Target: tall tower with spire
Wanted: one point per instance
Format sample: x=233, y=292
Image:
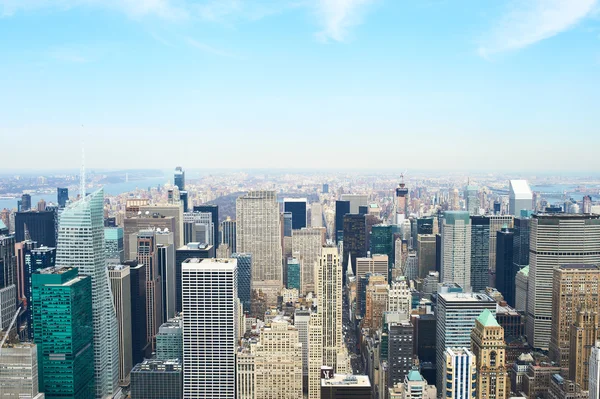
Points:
x=81, y=244
x=401, y=201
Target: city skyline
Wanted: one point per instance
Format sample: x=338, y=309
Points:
x=307, y=75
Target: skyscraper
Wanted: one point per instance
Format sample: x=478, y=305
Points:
x=244, y=276
x=297, y=207
x=401, y=201
x=214, y=211
x=575, y=288
x=585, y=332
x=228, y=230
x=426, y=254
x=62, y=196
x=25, y=203
x=81, y=244
x=556, y=239
x=139, y=344
x=488, y=346
x=199, y=227
x=382, y=243
x=63, y=332
x=341, y=208
x=169, y=340
x=456, y=249
x=480, y=252
x=460, y=374
x=329, y=296
x=306, y=247
x=8, y=261
x=316, y=215
x=19, y=377
x=519, y=197
x=356, y=201
x=293, y=274
x=179, y=178
x=113, y=245
x=497, y=223
x=355, y=240
x=259, y=233
x=157, y=379
x=506, y=269
x=40, y=225
x=209, y=328
x=456, y=314
x=472, y=197
x=191, y=250
x=120, y=284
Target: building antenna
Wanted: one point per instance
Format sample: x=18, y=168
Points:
x=82, y=173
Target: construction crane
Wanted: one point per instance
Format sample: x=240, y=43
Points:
x=9, y=328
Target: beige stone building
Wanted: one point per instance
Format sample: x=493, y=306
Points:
x=489, y=348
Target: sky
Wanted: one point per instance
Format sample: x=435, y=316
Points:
x=422, y=84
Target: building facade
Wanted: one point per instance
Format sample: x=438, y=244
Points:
x=456, y=249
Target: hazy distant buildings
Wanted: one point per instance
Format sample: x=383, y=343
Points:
x=520, y=197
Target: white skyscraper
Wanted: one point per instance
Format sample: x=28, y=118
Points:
x=209, y=328
x=81, y=244
x=460, y=374
x=556, y=239
x=456, y=249
x=329, y=299
x=520, y=197
x=259, y=233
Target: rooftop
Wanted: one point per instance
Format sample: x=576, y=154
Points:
x=414, y=375
x=520, y=189
x=578, y=266
x=342, y=379
x=487, y=319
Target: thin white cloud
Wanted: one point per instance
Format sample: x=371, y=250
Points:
x=68, y=55
x=210, y=49
x=528, y=22
x=338, y=16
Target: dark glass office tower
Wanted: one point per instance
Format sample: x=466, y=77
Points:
x=521, y=242
x=183, y=197
x=355, y=240
x=191, y=250
x=400, y=352
x=298, y=209
x=157, y=379
x=179, y=178
x=8, y=261
x=480, y=252
x=140, y=348
x=62, y=196
x=341, y=208
x=35, y=259
x=424, y=226
x=287, y=224
x=41, y=227
x=244, y=276
x=382, y=243
x=506, y=270
x=214, y=211
x=25, y=202
x=228, y=231
x=325, y=188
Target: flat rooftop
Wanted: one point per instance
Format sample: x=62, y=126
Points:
x=347, y=380
x=465, y=297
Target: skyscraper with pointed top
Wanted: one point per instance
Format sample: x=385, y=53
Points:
x=81, y=244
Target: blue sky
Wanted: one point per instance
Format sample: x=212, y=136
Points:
x=439, y=84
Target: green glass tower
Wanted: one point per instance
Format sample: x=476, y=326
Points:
x=63, y=332
x=382, y=243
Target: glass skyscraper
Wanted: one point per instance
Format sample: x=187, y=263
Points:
x=81, y=244
x=244, y=265
x=62, y=323
x=480, y=252
x=293, y=273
